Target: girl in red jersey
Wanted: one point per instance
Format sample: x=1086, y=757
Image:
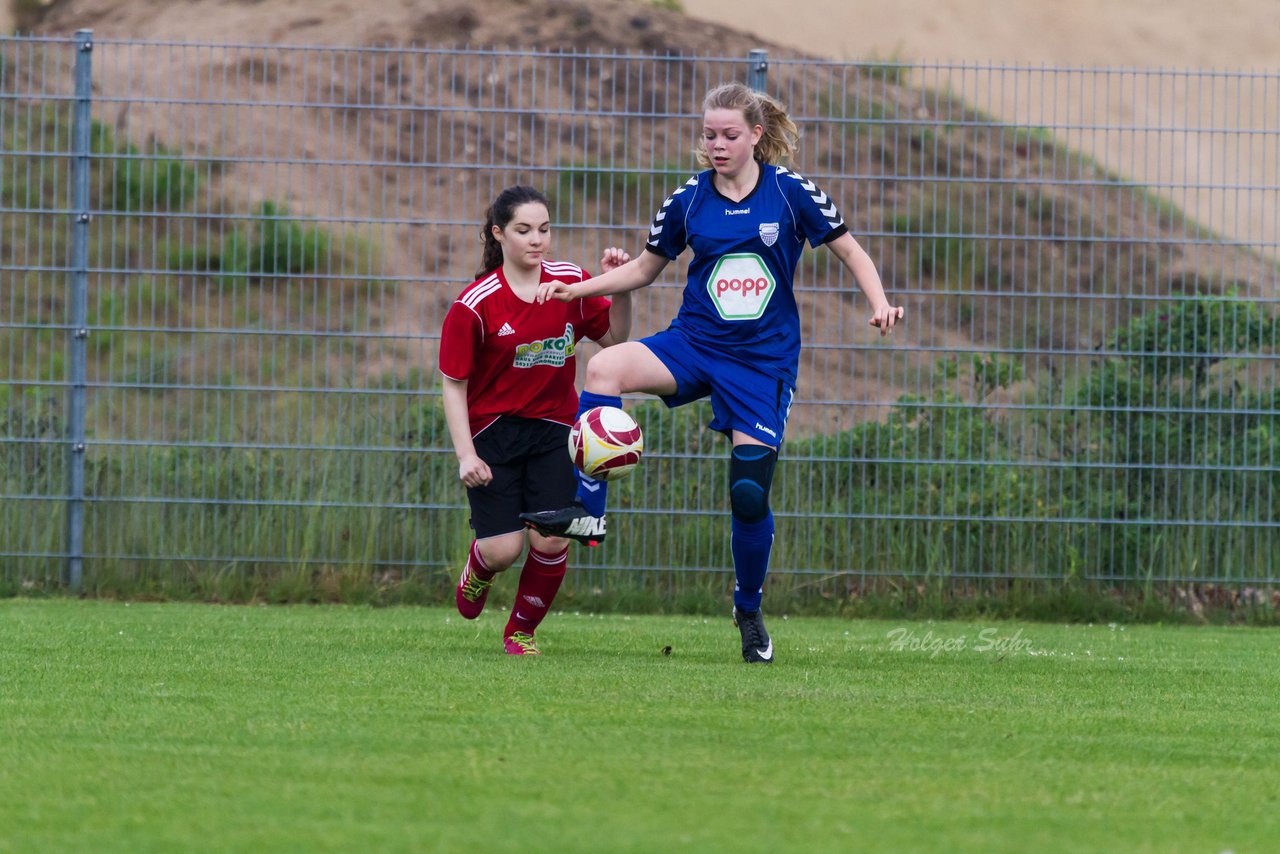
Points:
x=509, y=399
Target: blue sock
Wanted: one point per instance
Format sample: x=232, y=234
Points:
x=751, y=545
x=592, y=493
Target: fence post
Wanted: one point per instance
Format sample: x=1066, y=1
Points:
x=79, y=327
x=757, y=69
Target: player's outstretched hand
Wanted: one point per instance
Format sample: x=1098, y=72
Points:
x=612, y=259
x=886, y=317
x=554, y=289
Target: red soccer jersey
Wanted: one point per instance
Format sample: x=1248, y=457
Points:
x=517, y=357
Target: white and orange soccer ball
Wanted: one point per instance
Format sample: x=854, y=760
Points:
x=605, y=443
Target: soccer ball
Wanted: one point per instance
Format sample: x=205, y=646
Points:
x=605, y=443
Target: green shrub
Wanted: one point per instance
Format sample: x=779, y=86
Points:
x=274, y=244
x=1186, y=443
x=156, y=180
x=991, y=372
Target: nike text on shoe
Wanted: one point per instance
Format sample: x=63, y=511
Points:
x=757, y=647
x=520, y=643
x=573, y=522
x=471, y=593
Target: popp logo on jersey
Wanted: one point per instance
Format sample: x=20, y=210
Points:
x=741, y=286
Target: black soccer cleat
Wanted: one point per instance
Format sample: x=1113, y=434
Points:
x=757, y=647
x=573, y=522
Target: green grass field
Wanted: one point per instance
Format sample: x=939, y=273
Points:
x=149, y=727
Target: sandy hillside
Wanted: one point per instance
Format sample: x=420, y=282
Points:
x=1174, y=35
x=1132, y=34
x=1075, y=34
x=1226, y=34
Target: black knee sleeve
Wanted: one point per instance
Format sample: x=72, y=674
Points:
x=750, y=479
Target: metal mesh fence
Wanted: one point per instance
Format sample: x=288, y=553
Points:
x=223, y=270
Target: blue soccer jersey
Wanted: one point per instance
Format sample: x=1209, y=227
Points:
x=739, y=295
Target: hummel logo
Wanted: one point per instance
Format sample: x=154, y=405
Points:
x=506, y=330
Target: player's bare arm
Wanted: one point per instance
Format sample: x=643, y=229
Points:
x=620, y=310
x=636, y=273
x=472, y=470
x=859, y=264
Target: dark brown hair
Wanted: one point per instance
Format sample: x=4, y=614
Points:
x=500, y=214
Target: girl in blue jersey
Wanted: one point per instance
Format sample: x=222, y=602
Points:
x=736, y=337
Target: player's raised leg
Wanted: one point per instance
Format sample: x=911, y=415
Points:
x=487, y=557
x=473, y=585
x=622, y=368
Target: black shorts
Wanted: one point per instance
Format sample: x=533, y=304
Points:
x=531, y=469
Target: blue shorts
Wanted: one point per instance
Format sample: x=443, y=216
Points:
x=742, y=398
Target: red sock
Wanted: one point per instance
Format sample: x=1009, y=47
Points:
x=479, y=568
x=539, y=582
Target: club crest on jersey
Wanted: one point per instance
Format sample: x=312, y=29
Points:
x=741, y=286
x=769, y=233
x=548, y=351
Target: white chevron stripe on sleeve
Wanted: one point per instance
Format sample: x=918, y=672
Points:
x=483, y=289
